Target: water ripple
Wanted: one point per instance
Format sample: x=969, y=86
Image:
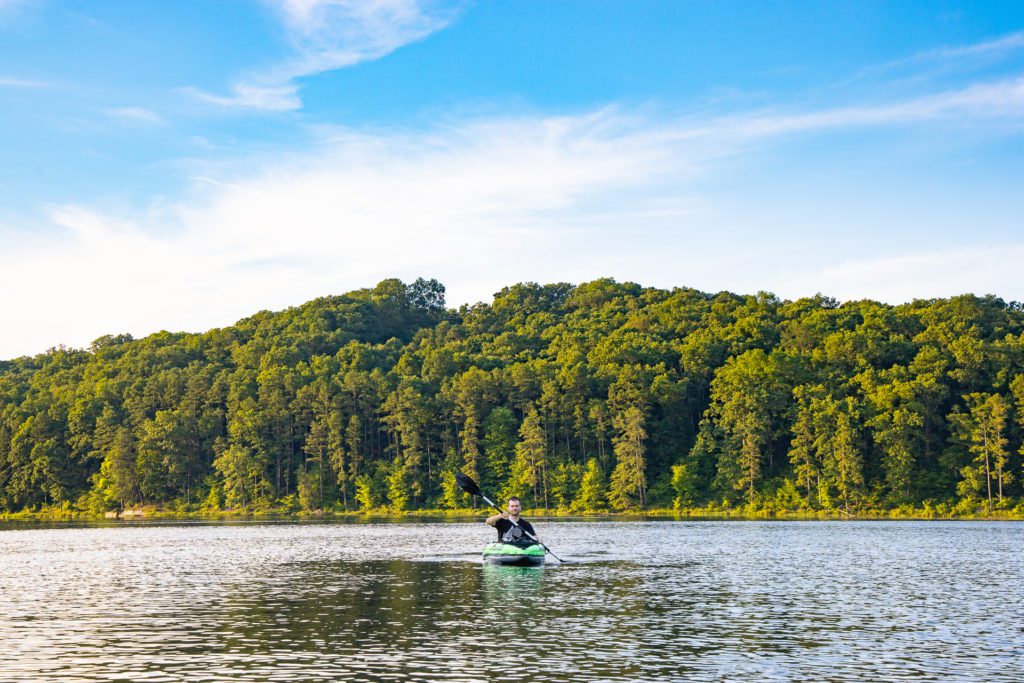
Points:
x=699, y=601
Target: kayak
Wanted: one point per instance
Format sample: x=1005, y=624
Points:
x=508, y=554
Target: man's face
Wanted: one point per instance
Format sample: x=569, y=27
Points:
x=514, y=507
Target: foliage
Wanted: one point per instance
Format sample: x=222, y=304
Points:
x=573, y=397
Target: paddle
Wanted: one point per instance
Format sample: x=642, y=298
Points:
x=470, y=487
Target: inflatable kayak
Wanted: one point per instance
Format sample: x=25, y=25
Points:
x=507, y=554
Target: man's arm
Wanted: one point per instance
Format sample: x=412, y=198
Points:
x=493, y=519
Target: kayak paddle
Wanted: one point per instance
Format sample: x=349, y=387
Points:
x=470, y=487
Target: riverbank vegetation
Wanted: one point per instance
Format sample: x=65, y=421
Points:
x=603, y=396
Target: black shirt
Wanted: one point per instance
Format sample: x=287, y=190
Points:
x=509, y=533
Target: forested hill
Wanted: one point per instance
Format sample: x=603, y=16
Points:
x=586, y=397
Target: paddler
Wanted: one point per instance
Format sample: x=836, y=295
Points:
x=506, y=524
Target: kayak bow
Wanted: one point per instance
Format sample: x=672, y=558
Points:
x=513, y=555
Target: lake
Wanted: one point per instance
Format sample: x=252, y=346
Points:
x=642, y=601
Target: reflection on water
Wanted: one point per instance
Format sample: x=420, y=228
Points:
x=509, y=586
x=701, y=601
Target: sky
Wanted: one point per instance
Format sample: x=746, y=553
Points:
x=181, y=165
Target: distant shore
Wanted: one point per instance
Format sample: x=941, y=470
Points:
x=711, y=513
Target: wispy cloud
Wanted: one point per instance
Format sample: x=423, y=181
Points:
x=324, y=35
x=1011, y=42
x=246, y=96
x=9, y=82
x=989, y=269
x=136, y=115
x=942, y=62
x=476, y=206
x=983, y=102
x=995, y=47
x=477, y=203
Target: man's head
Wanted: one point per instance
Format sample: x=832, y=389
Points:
x=514, y=506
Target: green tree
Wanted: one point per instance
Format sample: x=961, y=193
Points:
x=629, y=480
x=982, y=430
x=897, y=434
x=685, y=486
x=405, y=412
x=593, y=493
x=843, y=461
x=398, y=484
x=803, y=455
x=565, y=484
x=748, y=395
x=530, y=464
x=118, y=479
x=499, y=447
x=242, y=471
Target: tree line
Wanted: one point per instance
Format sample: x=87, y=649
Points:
x=603, y=395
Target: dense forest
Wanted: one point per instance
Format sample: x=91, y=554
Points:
x=598, y=396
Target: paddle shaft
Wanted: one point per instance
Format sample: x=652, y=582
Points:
x=531, y=536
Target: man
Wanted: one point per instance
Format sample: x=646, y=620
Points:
x=509, y=532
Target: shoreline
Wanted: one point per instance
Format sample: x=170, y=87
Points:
x=151, y=513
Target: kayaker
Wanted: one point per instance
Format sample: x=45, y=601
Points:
x=509, y=532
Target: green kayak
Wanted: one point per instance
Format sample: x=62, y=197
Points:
x=507, y=554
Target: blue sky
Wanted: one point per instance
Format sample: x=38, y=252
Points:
x=181, y=165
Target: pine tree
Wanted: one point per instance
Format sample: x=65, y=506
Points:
x=529, y=467
x=844, y=463
x=629, y=481
x=896, y=434
x=593, y=493
x=802, y=454
x=982, y=429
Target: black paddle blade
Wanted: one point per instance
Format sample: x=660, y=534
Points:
x=467, y=484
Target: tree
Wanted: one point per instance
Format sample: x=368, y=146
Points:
x=843, y=461
x=405, y=412
x=824, y=449
x=685, y=485
x=804, y=457
x=499, y=446
x=322, y=445
x=748, y=394
x=982, y=430
x=376, y=397
x=118, y=477
x=593, y=493
x=471, y=448
x=242, y=470
x=897, y=434
x=398, y=484
x=338, y=457
x=629, y=481
x=530, y=465
x=565, y=483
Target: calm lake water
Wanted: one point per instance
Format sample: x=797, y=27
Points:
x=643, y=601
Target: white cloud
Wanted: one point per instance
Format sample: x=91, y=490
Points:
x=1011, y=42
x=478, y=204
x=981, y=102
x=994, y=269
x=325, y=35
x=469, y=207
x=995, y=47
x=267, y=98
x=10, y=82
x=136, y=115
